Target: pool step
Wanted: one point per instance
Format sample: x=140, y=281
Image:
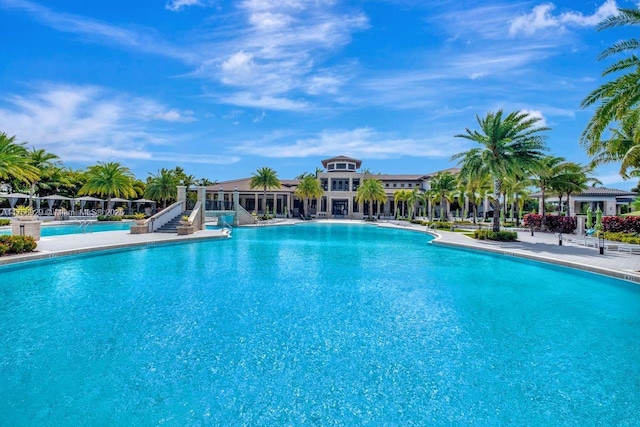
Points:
x=172, y=226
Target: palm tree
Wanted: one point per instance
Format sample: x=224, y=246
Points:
x=109, y=180
x=478, y=189
x=576, y=180
x=549, y=173
x=516, y=188
x=44, y=162
x=14, y=160
x=371, y=190
x=442, y=187
x=162, y=186
x=411, y=198
x=399, y=198
x=623, y=145
x=619, y=97
x=267, y=179
x=307, y=189
x=510, y=146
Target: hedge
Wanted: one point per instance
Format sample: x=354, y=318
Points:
x=554, y=223
x=4, y=222
x=16, y=244
x=503, y=236
x=109, y=218
x=619, y=224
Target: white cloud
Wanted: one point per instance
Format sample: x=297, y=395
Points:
x=541, y=17
x=84, y=123
x=360, y=142
x=176, y=5
x=247, y=99
x=91, y=29
x=536, y=114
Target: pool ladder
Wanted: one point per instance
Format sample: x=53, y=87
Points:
x=85, y=226
x=226, y=228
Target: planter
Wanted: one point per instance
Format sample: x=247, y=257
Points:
x=141, y=222
x=26, y=217
x=185, y=223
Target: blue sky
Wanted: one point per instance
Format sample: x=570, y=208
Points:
x=221, y=88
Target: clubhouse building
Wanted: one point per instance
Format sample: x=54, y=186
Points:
x=339, y=180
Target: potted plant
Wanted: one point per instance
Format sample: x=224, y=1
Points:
x=140, y=218
x=24, y=213
x=185, y=220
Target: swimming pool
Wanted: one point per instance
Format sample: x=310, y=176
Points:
x=76, y=228
x=317, y=324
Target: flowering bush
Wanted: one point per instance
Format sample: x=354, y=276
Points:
x=618, y=224
x=554, y=223
x=16, y=244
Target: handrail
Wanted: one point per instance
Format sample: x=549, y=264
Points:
x=164, y=216
x=195, y=214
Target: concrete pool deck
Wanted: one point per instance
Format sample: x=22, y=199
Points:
x=540, y=247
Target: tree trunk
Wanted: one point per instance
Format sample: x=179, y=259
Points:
x=497, y=189
x=475, y=213
x=568, y=204
x=559, y=204
x=517, y=211
x=542, y=211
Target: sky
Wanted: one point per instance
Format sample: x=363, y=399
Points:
x=221, y=88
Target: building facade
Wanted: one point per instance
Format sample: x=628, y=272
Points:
x=339, y=180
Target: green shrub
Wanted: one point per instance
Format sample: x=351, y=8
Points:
x=16, y=244
x=109, y=218
x=631, y=238
x=4, y=222
x=502, y=236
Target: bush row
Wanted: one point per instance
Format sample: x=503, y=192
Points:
x=109, y=218
x=4, y=222
x=632, y=238
x=502, y=236
x=618, y=224
x=554, y=223
x=16, y=244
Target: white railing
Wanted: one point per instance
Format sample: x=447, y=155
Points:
x=164, y=216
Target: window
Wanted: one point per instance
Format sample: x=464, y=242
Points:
x=341, y=166
x=352, y=167
x=331, y=166
x=402, y=185
x=387, y=184
x=395, y=185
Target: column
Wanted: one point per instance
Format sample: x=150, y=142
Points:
x=182, y=196
x=220, y=199
x=236, y=205
x=255, y=206
x=202, y=198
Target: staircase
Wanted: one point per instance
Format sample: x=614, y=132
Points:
x=172, y=226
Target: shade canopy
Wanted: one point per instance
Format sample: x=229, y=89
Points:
x=88, y=199
x=55, y=197
x=144, y=201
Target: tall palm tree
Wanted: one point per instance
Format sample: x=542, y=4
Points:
x=109, y=180
x=576, y=180
x=510, y=145
x=443, y=186
x=517, y=189
x=619, y=97
x=549, y=173
x=413, y=196
x=14, y=160
x=162, y=186
x=623, y=145
x=478, y=189
x=371, y=190
x=267, y=179
x=44, y=162
x=308, y=188
x=399, y=198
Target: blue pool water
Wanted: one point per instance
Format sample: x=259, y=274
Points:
x=75, y=228
x=318, y=325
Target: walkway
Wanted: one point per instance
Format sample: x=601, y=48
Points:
x=544, y=247
x=73, y=244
